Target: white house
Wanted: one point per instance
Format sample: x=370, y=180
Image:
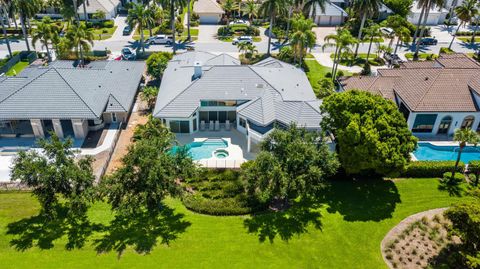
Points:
x=436, y=15
x=436, y=97
x=333, y=14
x=209, y=11
x=109, y=7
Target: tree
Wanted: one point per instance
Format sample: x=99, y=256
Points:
x=342, y=41
x=372, y=32
x=55, y=175
x=99, y=15
x=465, y=13
x=251, y=10
x=3, y=17
x=150, y=18
x=292, y=162
x=371, y=134
x=137, y=15
x=397, y=23
x=45, y=32
x=271, y=8
x=403, y=35
x=27, y=9
x=157, y=63
x=80, y=38
x=310, y=7
x=426, y=6
x=174, y=4
x=327, y=88
x=302, y=37
x=365, y=8
x=477, y=22
x=242, y=47
x=464, y=137
x=229, y=6
x=149, y=95
x=399, y=7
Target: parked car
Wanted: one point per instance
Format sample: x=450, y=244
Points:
x=238, y=22
x=160, y=39
x=392, y=58
x=387, y=31
x=127, y=30
x=128, y=55
x=243, y=39
x=428, y=41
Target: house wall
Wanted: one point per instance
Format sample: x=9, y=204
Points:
x=209, y=18
x=457, y=119
x=323, y=20
x=433, y=18
x=121, y=117
x=80, y=128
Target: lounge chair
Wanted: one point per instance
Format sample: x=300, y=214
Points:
x=217, y=125
x=210, y=125
x=227, y=125
x=202, y=125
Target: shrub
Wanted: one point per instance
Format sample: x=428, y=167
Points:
x=286, y=54
x=445, y=50
x=340, y=73
x=108, y=24
x=224, y=206
x=157, y=63
x=224, y=31
x=474, y=168
x=431, y=168
x=366, y=71
x=254, y=31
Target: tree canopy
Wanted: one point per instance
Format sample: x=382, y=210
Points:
x=291, y=163
x=371, y=134
x=157, y=63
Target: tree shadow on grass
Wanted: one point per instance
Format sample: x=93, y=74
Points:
x=285, y=224
x=453, y=189
x=361, y=199
x=41, y=231
x=141, y=230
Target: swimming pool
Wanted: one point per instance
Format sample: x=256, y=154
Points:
x=204, y=149
x=429, y=152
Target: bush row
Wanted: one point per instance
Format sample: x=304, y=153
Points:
x=100, y=24
x=431, y=168
x=244, y=30
x=219, y=207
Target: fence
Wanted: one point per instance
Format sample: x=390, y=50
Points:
x=27, y=56
x=111, y=150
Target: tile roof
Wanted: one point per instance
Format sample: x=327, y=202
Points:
x=444, y=87
x=104, y=5
x=273, y=90
x=61, y=91
x=207, y=6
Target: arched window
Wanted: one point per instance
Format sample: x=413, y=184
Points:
x=445, y=125
x=468, y=122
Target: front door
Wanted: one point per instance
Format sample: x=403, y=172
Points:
x=114, y=117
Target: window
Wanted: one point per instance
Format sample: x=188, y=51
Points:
x=445, y=125
x=243, y=123
x=404, y=110
x=467, y=122
x=222, y=116
x=180, y=126
x=204, y=116
x=195, y=124
x=232, y=116
x=424, y=123
x=212, y=116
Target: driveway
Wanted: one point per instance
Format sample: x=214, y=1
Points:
x=120, y=22
x=322, y=32
x=207, y=33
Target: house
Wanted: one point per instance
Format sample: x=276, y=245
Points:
x=209, y=11
x=436, y=97
x=201, y=91
x=110, y=8
x=69, y=100
x=436, y=15
x=333, y=14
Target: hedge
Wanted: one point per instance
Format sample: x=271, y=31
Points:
x=431, y=168
x=219, y=207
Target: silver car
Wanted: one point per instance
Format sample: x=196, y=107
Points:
x=243, y=39
x=160, y=39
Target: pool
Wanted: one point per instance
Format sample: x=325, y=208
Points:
x=429, y=152
x=206, y=149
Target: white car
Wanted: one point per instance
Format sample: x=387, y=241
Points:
x=387, y=31
x=160, y=39
x=238, y=22
x=243, y=39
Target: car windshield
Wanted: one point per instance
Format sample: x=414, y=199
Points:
x=126, y=51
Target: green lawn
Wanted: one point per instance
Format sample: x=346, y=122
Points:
x=17, y=68
x=360, y=60
x=421, y=56
x=351, y=220
x=316, y=72
x=467, y=39
x=98, y=34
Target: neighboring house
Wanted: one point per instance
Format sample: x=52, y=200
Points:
x=202, y=91
x=110, y=8
x=436, y=97
x=209, y=11
x=68, y=100
x=333, y=15
x=436, y=15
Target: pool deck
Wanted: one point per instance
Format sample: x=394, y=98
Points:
x=237, y=148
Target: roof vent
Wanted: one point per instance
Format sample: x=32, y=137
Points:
x=197, y=70
x=426, y=78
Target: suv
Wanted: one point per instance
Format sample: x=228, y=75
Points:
x=242, y=39
x=127, y=54
x=160, y=39
x=387, y=31
x=238, y=22
x=428, y=41
x=127, y=30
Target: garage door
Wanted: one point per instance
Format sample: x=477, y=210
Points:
x=336, y=20
x=323, y=20
x=209, y=19
x=433, y=19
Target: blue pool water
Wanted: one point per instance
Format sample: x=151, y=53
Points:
x=205, y=149
x=429, y=152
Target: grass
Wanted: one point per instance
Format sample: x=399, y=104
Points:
x=317, y=72
x=354, y=218
x=230, y=38
x=360, y=60
x=468, y=39
x=17, y=68
x=421, y=56
x=98, y=34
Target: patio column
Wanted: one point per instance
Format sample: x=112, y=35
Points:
x=80, y=128
x=37, y=128
x=249, y=142
x=57, y=126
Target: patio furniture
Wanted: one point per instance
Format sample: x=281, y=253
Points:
x=227, y=125
x=210, y=125
x=217, y=125
x=202, y=125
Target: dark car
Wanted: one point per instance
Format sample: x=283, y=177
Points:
x=127, y=30
x=428, y=41
x=127, y=54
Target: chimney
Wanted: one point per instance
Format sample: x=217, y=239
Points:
x=197, y=70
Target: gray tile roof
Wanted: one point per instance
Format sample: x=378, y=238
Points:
x=276, y=91
x=103, y=5
x=330, y=10
x=61, y=91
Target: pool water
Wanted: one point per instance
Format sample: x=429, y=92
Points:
x=429, y=152
x=205, y=149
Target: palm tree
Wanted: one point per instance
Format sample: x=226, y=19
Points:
x=242, y=47
x=403, y=35
x=365, y=8
x=465, y=13
x=420, y=4
x=26, y=9
x=149, y=95
x=372, y=32
x=138, y=15
x=463, y=137
x=310, y=7
x=150, y=18
x=251, y=49
x=271, y=8
x=477, y=21
x=44, y=33
x=303, y=37
x=174, y=4
x=4, y=30
x=189, y=36
x=251, y=9
x=427, y=5
x=342, y=41
x=229, y=6
x=80, y=38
